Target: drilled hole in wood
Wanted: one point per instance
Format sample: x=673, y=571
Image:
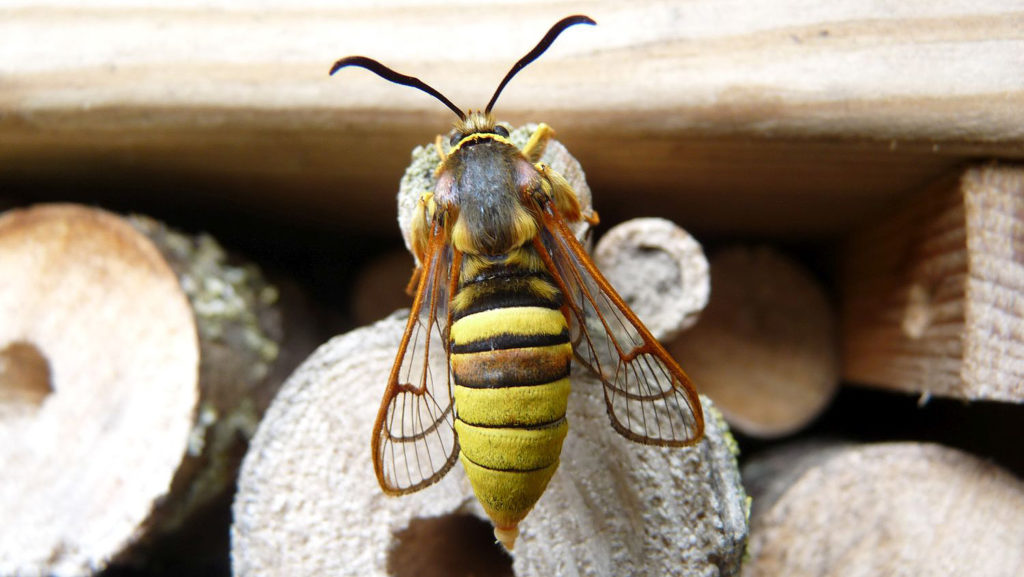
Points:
x=455, y=545
x=24, y=377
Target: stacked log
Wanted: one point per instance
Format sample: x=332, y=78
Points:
x=134, y=364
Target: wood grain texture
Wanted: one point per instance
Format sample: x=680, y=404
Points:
x=931, y=292
x=896, y=509
x=808, y=115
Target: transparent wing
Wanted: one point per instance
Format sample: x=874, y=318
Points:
x=414, y=442
x=650, y=399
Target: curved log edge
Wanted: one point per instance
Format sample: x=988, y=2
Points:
x=659, y=270
x=85, y=468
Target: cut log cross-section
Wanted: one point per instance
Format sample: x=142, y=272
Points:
x=82, y=466
x=826, y=510
x=765, y=349
x=133, y=363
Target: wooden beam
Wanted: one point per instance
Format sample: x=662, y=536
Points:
x=808, y=118
x=931, y=292
x=848, y=69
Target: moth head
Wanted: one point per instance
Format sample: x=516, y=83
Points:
x=476, y=127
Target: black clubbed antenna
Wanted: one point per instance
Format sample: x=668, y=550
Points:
x=539, y=49
x=389, y=74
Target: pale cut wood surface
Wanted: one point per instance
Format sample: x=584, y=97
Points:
x=895, y=509
x=134, y=363
x=932, y=293
x=86, y=464
x=659, y=270
x=766, y=348
x=808, y=115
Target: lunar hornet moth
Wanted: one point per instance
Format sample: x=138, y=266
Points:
x=505, y=297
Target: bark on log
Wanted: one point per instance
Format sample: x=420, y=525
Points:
x=932, y=292
x=765, y=348
x=116, y=421
x=823, y=510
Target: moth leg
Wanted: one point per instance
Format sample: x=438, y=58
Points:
x=538, y=142
x=419, y=231
x=564, y=197
x=414, y=281
x=439, y=146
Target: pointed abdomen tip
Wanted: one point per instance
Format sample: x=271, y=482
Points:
x=507, y=536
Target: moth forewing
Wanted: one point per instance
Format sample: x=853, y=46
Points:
x=650, y=398
x=414, y=442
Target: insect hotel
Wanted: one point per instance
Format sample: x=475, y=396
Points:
x=709, y=289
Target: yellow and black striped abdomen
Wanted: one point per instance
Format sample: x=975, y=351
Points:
x=510, y=356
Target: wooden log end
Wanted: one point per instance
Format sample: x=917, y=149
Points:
x=765, y=348
x=659, y=270
x=134, y=363
x=91, y=303
x=884, y=509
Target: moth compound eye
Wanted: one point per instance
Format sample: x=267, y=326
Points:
x=501, y=131
x=456, y=137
